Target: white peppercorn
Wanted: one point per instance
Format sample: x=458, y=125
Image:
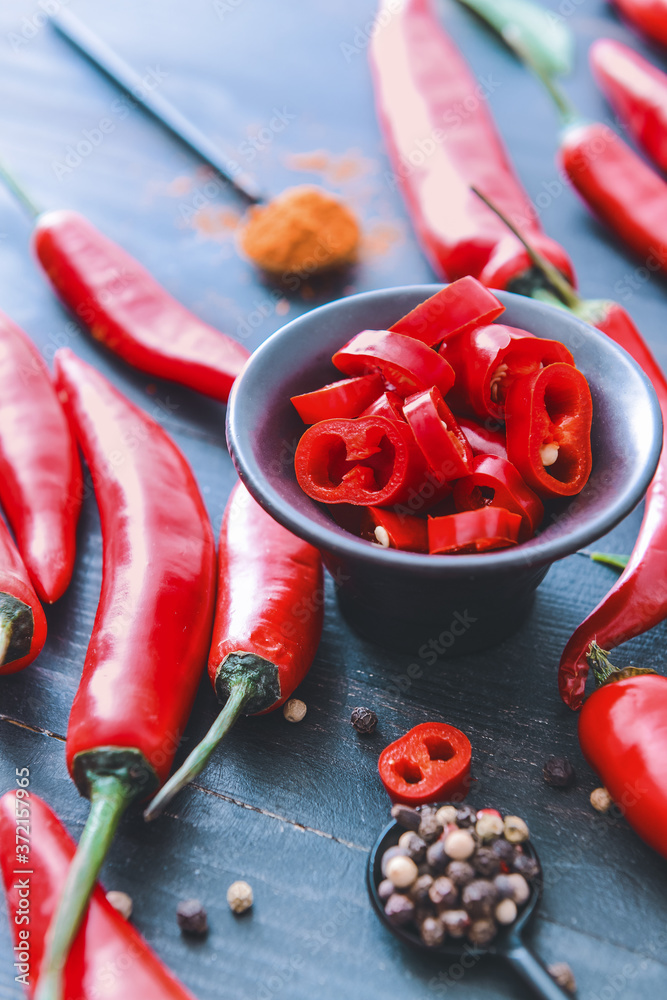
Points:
x=402, y=871
x=459, y=845
x=295, y=710
x=601, y=800
x=505, y=912
x=516, y=830
x=239, y=897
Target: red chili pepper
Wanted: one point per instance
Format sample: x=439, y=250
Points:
x=40, y=473
x=484, y=440
x=348, y=398
x=494, y=482
x=151, y=632
x=649, y=16
x=406, y=363
x=623, y=737
x=372, y=461
x=22, y=621
x=431, y=763
x=549, y=416
x=128, y=311
x=637, y=91
x=389, y=405
x=397, y=531
x=436, y=431
x=454, y=309
x=109, y=957
x=473, y=531
x=268, y=624
x=489, y=358
x=441, y=140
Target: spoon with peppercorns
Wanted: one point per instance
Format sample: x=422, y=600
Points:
x=460, y=881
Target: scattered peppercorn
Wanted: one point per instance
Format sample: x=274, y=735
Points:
x=601, y=800
x=564, y=976
x=239, y=897
x=399, y=909
x=516, y=831
x=295, y=710
x=413, y=844
x=432, y=932
x=120, y=902
x=558, y=772
x=191, y=917
x=363, y=720
x=406, y=816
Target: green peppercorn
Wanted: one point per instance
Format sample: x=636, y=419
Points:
x=363, y=720
x=558, y=772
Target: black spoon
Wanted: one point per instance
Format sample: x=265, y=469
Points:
x=508, y=943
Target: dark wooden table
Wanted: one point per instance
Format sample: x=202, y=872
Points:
x=294, y=808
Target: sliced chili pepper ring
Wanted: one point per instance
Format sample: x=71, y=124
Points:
x=429, y=764
x=347, y=398
x=473, y=531
x=404, y=362
x=438, y=434
x=458, y=307
x=396, y=531
x=494, y=482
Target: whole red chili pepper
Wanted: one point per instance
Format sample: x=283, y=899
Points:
x=109, y=957
x=22, y=621
x=436, y=431
x=40, y=473
x=473, y=531
x=458, y=307
x=372, y=461
x=126, y=309
x=649, y=16
x=637, y=91
x=548, y=425
x=494, y=482
x=348, y=398
x=408, y=364
x=623, y=737
x=441, y=139
x=484, y=440
x=151, y=631
x=395, y=531
x=431, y=763
x=267, y=627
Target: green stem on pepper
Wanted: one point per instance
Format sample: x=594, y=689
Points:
x=19, y=192
x=608, y=559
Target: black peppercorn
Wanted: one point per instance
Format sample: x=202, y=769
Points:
x=526, y=866
x=399, y=909
x=436, y=857
x=385, y=889
x=482, y=932
x=406, y=816
x=363, y=720
x=432, y=932
x=418, y=891
x=486, y=862
x=430, y=828
x=466, y=816
x=503, y=850
x=456, y=922
x=478, y=897
x=460, y=872
x=558, y=772
x=443, y=893
x=191, y=917
x=414, y=845
x=504, y=886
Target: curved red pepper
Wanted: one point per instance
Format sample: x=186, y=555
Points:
x=484, y=440
x=442, y=140
x=488, y=359
x=389, y=404
x=623, y=737
x=454, y=309
x=406, y=363
x=436, y=431
x=348, y=398
x=40, y=473
x=473, y=531
x=397, y=531
x=636, y=90
x=371, y=461
x=109, y=957
x=494, y=482
x=128, y=311
x=431, y=763
x=267, y=628
x=22, y=621
x=549, y=416
x=152, y=628
x=649, y=16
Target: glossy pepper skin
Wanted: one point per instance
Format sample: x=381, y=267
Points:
x=406, y=363
x=637, y=91
x=549, y=416
x=129, y=312
x=431, y=763
x=389, y=405
x=638, y=599
x=151, y=632
x=347, y=398
x=618, y=187
x=22, y=621
x=372, y=461
x=40, y=473
x=395, y=531
x=494, y=482
x=109, y=957
x=267, y=628
x=441, y=141
x=438, y=434
x=484, y=439
x=623, y=736
x=473, y=531
x=458, y=307
x=649, y=16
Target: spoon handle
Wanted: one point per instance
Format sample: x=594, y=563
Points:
x=532, y=971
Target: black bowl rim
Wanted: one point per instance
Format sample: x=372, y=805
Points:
x=530, y=554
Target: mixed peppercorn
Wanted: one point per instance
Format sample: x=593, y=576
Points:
x=456, y=872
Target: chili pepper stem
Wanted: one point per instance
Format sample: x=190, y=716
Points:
x=200, y=756
x=566, y=109
x=600, y=663
x=19, y=193
x=110, y=796
x=607, y=559
x=6, y=631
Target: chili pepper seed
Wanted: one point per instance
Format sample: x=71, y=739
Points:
x=120, y=902
x=363, y=720
x=601, y=800
x=239, y=897
x=564, y=976
x=191, y=917
x=558, y=772
x=295, y=710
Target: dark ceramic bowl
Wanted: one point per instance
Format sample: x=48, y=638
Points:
x=402, y=598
